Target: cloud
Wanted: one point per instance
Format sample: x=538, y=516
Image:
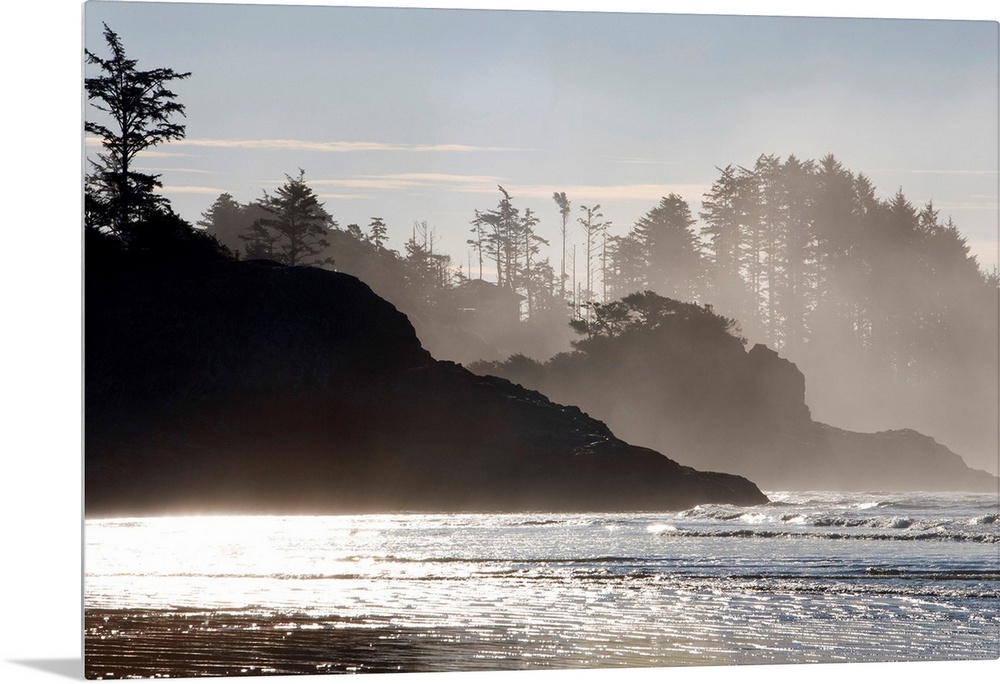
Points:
x=643, y=160
x=409, y=181
x=331, y=146
x=986, y=252
x=967, y=206
x=445, y=177
x=480, y=184
x=190, y=190
x=342, y=196
x=159, y=154
x=958, y=172
x=93, y=143
x=374, y=183
x=607, y=193
x=158, y=169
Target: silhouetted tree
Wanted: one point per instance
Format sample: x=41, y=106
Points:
x=836, y=220
x=224, y=214
x=429, y=271
x=539, y=285
x=496, y=226
x=628, y=266
x=140, y=108
x=478, y=243
x=673, y=256
x=796, y=253
x=596, y=232
x=768, y=230
x=126, y=222
x=532, y=278
x=564, y=210
x=228, y=220
x=296, y=227
x=503, y=238
x=724, y=213
x=509, y=239
x=377, y=233
x=648, y=311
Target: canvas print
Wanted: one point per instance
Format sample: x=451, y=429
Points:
x=436, y=340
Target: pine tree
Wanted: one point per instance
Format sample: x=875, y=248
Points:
x=628, y=266
x=724, y=215
x=595, y=231
x=794, y=290
x=227, y=219
x=296, y=226
x=478, y=243
x=140, y=108
x=564, y=211
x=377, y=233
x=674, y=265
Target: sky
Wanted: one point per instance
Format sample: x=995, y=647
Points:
x=418, y=115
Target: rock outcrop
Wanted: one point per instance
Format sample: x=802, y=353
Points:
x=252, y=387
x=693, y=391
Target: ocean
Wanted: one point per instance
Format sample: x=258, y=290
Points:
x=812, y=577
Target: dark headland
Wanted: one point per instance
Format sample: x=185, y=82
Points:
x=680, y=382
x=246, y=386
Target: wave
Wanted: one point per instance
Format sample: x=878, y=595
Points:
x=864, y=506
x=880, y=514
x=894, y=523
x=480, y=566
x=915, y=501
x=555, y=560
x=938, y=575
x=239, y=575
x=538, y=523
x=930, y=535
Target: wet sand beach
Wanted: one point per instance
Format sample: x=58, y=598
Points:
x=127, y=644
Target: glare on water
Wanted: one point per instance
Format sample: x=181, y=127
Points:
x=802, y=580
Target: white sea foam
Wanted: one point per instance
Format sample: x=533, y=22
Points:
x=660, y=528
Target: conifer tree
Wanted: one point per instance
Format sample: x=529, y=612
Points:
x=673, y=256
x=140, y=108
x=377, y=233
x=595, y=230
x=564, y=211
x=724, y=218
x=295, y=228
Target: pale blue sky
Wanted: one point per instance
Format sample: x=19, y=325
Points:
x=414, y=114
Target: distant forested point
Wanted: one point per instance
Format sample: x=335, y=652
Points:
x=676, y=377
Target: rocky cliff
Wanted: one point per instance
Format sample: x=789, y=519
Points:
x=690, y=389
x=252, y=387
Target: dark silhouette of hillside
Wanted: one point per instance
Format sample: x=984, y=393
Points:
x=677, y=378
x=456, y=317
x=250, y=386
